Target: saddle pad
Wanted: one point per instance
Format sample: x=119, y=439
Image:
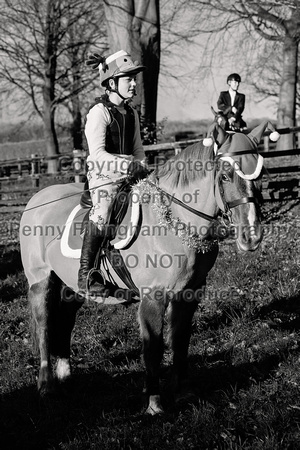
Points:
x=71, y=241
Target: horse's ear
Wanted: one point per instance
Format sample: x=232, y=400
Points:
x=215, y=134
x=213, y=111
x=220, y=135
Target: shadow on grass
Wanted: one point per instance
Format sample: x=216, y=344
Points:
x=218, y=374
x=86, y=403
x=282, y=313
x=10, y=262
x=94, y=403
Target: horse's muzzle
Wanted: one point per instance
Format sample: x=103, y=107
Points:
x=249, y=238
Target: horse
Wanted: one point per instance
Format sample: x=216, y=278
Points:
x=181, y=203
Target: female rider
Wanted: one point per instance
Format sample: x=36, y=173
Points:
x=115, y=149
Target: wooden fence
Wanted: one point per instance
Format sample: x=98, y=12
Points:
x=20, y=178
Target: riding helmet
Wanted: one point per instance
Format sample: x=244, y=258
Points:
x=118, y=65
x=234, y=76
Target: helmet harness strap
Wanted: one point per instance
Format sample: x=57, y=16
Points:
x=116, y=90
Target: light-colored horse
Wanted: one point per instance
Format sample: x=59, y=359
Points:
x=169, y=259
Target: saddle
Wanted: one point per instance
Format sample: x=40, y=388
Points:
x=107, y=251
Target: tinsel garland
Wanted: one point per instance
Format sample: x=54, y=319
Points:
x=147, y=192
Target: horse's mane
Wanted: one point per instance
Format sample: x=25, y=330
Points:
x=187, y=165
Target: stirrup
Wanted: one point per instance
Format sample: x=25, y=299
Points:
x=99, y=287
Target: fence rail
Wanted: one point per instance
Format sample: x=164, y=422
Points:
x=280, y=183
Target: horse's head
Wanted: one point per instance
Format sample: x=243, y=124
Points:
x=238, y=184
x=220, y=118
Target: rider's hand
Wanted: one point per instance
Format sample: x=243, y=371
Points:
x=234, y=110
x=231, y=120
x=137, y=171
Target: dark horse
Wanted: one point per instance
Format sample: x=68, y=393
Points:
x=183, y=197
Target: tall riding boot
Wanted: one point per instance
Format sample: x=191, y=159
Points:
x=92, y=241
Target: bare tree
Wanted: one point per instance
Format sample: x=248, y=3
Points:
x=134, y=26
x=244, y=21
x=42, y=56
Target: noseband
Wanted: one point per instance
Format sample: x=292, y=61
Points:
x=234, y=203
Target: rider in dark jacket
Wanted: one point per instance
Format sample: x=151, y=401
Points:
x=232, y=104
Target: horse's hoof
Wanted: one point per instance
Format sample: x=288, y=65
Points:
x=154, y=412
x=154, y=407
x=46, y=390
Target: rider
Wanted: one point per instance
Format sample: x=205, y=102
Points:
x=115, y=148
x=232, y=104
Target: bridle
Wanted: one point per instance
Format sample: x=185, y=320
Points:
x=226, y=214
x=228, y=206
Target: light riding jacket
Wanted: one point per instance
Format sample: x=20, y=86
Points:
x=114, y=140
x=113, y=133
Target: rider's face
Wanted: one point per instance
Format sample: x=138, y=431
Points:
x=233, y=84
x=127, y=86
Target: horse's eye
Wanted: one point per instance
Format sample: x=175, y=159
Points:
x=224, y=177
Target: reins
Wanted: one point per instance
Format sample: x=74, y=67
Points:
x=226, y=214
x=182, y=204
x=65, y=197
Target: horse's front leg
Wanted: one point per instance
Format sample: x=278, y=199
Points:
x=66, y=316
x=151, y=317
x=181, y=312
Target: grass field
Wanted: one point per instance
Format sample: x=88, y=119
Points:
x=244, y=360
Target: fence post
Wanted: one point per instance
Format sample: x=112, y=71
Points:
x=35, y=164
x=297, y=136
x=266, y=143
x=35, y=170
x=177, y=149
x=19, y=169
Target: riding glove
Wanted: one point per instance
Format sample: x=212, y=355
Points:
x=137, y=171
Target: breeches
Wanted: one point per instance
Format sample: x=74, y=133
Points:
x=103, y=188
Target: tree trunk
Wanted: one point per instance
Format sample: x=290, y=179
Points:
x=286, y=115
x=50, y=58
x=146, y=32
x=134, y=27
x=50, y=138
x=76, y=128
x=77, y=123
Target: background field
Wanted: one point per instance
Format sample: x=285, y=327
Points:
x=244, y=359
x=23, y=140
